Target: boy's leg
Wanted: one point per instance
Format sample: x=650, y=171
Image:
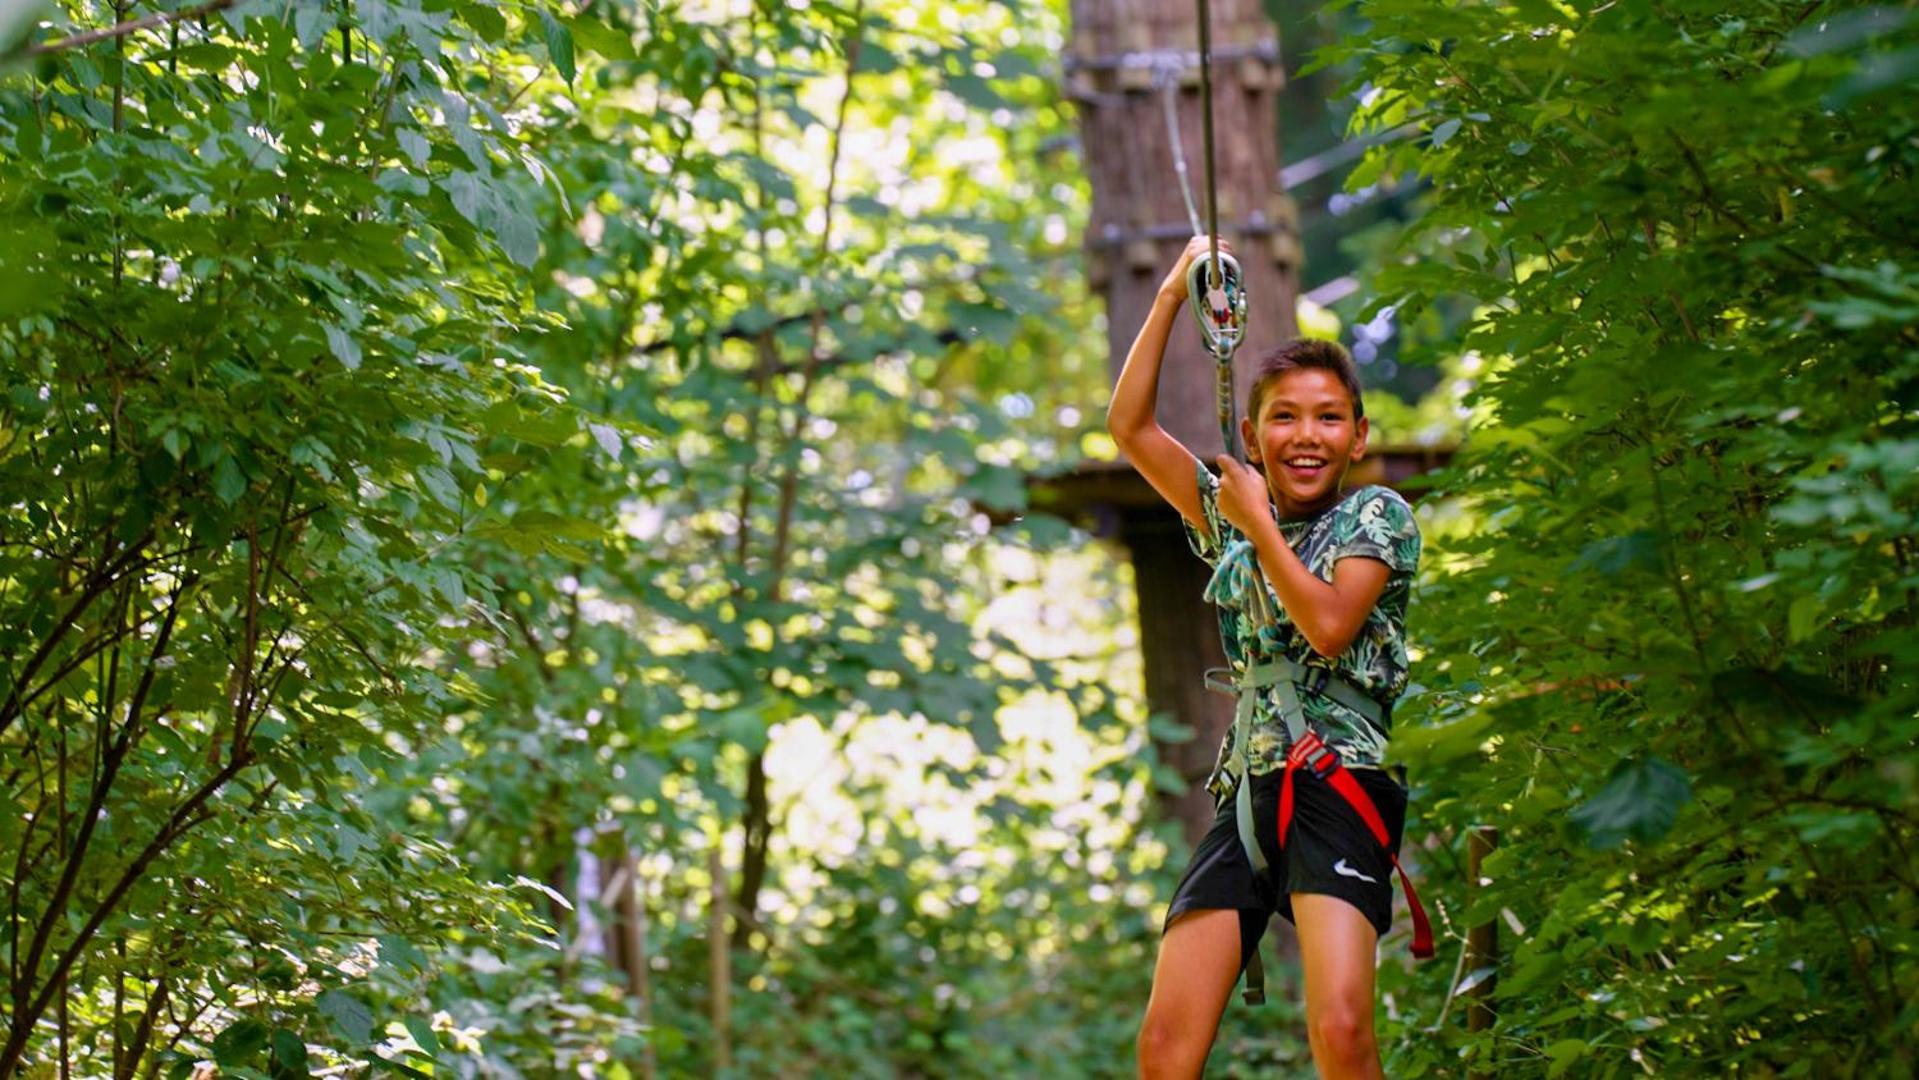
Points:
x=1337, y=952
x=1198, y=965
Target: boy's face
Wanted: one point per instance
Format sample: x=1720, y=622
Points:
x=1305, y=430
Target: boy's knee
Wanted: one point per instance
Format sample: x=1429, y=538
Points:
x=1343, y=1034
x=1162, y=1045
x=1156, y=1039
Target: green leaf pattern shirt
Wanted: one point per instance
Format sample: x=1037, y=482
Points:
x=1371, y=521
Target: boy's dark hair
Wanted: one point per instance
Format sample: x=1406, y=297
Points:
x=1305, y=353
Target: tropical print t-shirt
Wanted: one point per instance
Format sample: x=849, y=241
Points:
x=1371, y=521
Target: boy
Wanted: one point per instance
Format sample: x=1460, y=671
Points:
x=1337, y=569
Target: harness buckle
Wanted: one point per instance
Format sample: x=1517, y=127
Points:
x=1313, y=755
x=1316, y=679
x=1220, y=681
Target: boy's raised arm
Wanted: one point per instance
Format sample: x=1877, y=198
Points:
x=1164, y=461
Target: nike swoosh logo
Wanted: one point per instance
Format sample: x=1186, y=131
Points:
x=1343, y=870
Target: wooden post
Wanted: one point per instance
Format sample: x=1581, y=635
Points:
x=633, y=955
x=1121, y=55
x=1482, y=941
x=718, y=955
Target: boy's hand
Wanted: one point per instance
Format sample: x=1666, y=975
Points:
x=1199, y=247
x=1242, y=496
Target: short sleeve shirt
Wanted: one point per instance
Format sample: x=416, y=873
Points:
x=1371, y=521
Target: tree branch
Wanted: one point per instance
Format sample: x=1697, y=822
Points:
x=102, y=580
x=123, y=29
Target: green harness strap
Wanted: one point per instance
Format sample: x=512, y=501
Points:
x=1287, y=675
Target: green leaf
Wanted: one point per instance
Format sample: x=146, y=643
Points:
x=485, y=21
x=745, y=727
x=422, y=1031
x=609, y=439
x=548, y=523
x=229, y=483
x=559, y=45
x=415, y=145
x=1613, y=556
x=986, y=732
x=401, y=953
x=1877, y=72
x=440, y=485
x=518, y=237
x=1845, y=30
x=310, y=24
x=597, y=37
x=877, y=59
x=351, y=1018
x=289, y=1054
x=551, y=893
x=1564, y=1054
x=469, y=194
x=1640, y=801
x=1166, y=729
x=998, y=486
x=403, y=1069
x=1804, y=616
x=240, y=1041
x=975, y=91
x=344, y=348
x=1167, y=779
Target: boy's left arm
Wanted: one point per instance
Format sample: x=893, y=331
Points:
x=1329, y=615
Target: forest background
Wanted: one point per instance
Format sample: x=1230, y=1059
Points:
x=498, y=572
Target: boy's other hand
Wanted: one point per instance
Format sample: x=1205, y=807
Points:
x=1242, y=496
x=1199, y=247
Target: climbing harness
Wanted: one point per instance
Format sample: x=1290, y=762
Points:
x=1308, y=752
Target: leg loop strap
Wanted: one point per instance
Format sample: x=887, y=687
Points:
x=1348, y=786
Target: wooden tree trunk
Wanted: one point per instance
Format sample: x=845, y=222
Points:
x=630, y=916
x=1120, y=53
x=719, y=959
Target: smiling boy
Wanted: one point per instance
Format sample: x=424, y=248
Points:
x=1335, y=569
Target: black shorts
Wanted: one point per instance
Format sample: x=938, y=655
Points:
x=1330, y=851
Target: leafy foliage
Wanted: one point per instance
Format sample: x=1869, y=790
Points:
x=449, y=448
x=465, y=469
x=1671, y=651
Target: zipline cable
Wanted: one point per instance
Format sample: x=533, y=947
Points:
x=1214, y=285
x=1206, y=115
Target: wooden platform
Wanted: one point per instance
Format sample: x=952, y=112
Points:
x=1099, y=492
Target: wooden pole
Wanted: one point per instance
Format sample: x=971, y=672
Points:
x=633, y=955
x=1482, y=941
x=719, y=957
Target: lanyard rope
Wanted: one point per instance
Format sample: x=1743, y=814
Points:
x=1167, y=79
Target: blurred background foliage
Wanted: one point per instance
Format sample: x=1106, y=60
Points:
x=468, y=472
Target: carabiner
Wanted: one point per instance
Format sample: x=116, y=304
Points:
x=1219, y=302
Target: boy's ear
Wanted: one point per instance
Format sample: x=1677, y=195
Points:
x=1359, y=437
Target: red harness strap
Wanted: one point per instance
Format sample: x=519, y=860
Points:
x=1333, y=771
